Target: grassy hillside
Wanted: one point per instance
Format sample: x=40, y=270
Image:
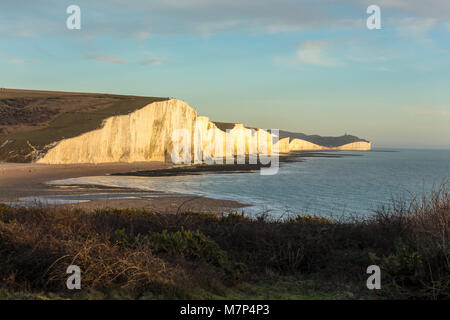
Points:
x=30, y=121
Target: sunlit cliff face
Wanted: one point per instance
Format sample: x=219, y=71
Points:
x=148, y=134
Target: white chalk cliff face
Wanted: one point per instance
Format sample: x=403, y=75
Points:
x=146, y=135
x=360, y=146
x=299, y=144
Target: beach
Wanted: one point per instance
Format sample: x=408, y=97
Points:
x=19, y=180
x=27, y=180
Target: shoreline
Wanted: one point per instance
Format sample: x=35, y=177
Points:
x=28, y=180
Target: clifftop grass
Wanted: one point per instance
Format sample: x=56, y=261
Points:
x=66, y=115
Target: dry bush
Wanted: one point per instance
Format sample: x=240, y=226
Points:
x=106, y=266
x=143, y=251
x=37, y=249
x=418, y=265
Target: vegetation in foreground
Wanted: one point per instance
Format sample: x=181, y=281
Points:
x=135, y=254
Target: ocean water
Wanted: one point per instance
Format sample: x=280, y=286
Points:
x=355, y=184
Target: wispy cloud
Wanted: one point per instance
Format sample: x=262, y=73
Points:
x=413, y=27
x=28, y=18
x=105, y=58
x=12, y=59
x=151, y=61
x=434, y=112
x=161, y=17
x=315, y=52
x=384, y=69
x=19, y=60
x=142, y=35
x=117, y=60
x=424, y=68
x=431, y=8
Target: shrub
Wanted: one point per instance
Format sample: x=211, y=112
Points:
x=147, y=252
x=195, y=246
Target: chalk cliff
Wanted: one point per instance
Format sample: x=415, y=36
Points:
x=143, y=135
x=299, y=144
x=146, y=135
x=283, y=145
x=360, y=146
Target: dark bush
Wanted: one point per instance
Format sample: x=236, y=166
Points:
x=148, y=252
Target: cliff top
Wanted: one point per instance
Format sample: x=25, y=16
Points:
x=43, y=117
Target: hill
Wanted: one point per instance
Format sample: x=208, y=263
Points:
x=33, y=120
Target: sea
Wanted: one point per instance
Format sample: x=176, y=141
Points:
x=341, y=184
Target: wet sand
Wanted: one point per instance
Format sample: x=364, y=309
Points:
x=294, y=156
x=13, y=174
x=165, y=204
x=26, y=180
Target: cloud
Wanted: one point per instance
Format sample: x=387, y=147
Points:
x=162, y=17
x=19, y=60
x=105, y=58
x=367, y=58
x=422, y=111
x=413, y=27
x=384, y=69
x=439, y=9
x=116, y=60
x=12, y=59
x=151, y=61
x=142, y=35
x=314, y=52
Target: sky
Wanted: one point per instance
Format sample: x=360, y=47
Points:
x=308, y=66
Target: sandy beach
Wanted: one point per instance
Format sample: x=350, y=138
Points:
x=18, y=180
x=26, y=180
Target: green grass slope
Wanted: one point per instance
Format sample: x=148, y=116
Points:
x=71, y=115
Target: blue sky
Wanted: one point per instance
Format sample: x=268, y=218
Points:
x=306, y=66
